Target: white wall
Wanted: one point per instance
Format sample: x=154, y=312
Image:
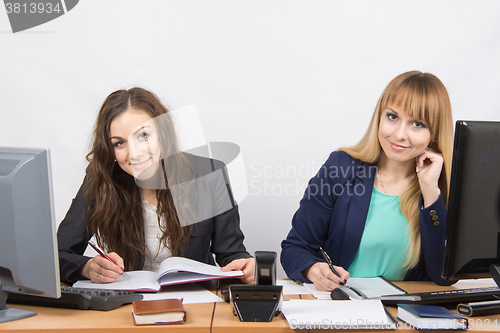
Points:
x=288, y=81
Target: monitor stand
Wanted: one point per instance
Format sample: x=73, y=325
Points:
x=495, y=273
x=10, y=314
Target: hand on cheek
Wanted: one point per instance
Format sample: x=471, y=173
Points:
x=429, y=166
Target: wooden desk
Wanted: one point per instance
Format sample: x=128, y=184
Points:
x=199, y=319
x=208, y=317
x=225, y=321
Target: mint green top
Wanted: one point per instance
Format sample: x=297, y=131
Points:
x=382, y=250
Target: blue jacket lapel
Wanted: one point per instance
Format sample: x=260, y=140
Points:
x=362, y=186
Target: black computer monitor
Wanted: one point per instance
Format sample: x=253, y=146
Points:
x=29, y=262
x=472, y=247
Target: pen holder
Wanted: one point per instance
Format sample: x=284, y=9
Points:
x=255, y=302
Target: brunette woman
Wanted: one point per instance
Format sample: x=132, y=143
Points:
x=143, y=200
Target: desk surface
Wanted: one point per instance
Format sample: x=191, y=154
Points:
x=214, y=317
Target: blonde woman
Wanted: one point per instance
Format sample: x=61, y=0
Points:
x=379, y=208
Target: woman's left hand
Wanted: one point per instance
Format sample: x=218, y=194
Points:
x=247, y=265
x=429, y=166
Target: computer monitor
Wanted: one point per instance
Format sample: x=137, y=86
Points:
x=29, y=262
x=472, y=247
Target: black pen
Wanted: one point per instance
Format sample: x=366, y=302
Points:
x=328, y=261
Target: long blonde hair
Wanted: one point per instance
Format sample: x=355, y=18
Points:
x=425, y=98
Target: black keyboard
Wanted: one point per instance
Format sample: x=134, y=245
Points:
x=80, y=298
x=451, y=297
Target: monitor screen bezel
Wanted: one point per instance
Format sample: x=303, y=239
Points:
x=30, y=260
x=471, y=138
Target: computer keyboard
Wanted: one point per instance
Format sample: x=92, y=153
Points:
x=445, y=297
x=80, y=298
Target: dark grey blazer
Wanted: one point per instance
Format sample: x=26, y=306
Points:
x=219, y=235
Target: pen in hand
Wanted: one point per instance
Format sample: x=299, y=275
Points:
x=329, y=262
x=102, y=254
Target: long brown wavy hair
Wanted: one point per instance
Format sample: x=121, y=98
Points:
x=116, y=216
x=425, y=98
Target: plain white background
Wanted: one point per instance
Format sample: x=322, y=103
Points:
x=288, y=81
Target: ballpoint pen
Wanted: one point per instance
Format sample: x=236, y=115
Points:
x=102, y=254
x=328, y=261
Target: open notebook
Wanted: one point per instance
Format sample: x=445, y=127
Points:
x=373, y=288
x=173, y=270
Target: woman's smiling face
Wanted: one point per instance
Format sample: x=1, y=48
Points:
x=401, y=137
x=136, y=145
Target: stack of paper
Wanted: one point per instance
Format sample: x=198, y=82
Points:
x=318, y=314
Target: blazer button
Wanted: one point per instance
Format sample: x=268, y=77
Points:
x=435, y=218
x=436, y=223
x=432, y=212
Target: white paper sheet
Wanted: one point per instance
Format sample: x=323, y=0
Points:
x=292, y=288
x=474, y=283
x=319, y=314
x=190, y=293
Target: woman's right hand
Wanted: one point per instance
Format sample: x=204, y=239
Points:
x=429, y=166
x=323, y=278
x=101, y=270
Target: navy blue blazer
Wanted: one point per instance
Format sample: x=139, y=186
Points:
x=332, y=215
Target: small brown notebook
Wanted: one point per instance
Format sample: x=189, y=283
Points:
x=161, y=311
